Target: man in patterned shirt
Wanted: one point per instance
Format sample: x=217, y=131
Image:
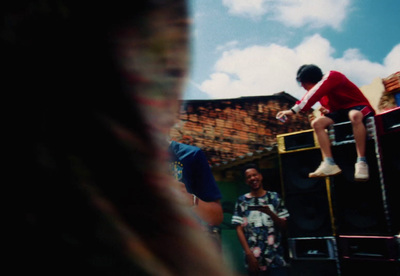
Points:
x=259, y=216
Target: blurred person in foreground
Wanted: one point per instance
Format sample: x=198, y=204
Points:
x=341, y=100
x=260, y=217
x=92, y=89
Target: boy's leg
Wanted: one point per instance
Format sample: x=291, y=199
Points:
x=359, y=131
x=326, y=168
x=360, y=136
x=320, y=125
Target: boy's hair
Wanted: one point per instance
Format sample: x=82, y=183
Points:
x=309, y=73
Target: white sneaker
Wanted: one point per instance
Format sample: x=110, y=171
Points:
x=325, y=169
x=361, y=171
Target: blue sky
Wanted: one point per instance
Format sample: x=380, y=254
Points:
x=254, y=47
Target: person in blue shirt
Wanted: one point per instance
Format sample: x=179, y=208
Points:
x=259, y=217
x=190, y=167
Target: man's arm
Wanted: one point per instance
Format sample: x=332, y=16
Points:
x=210, y=212
x=209, y=207
x=280, y=222
x=251, y=259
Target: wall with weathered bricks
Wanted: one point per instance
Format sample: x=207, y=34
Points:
x=228, y=128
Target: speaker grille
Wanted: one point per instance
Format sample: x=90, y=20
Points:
x=306, y=198
x=317, y=248
x=369, y=247
x=358, y=207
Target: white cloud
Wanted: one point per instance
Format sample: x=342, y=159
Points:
x=392, y=60
x=293, y=13
x=228, y=45
x=316, y=13
x=250, y=8
x=265, y=70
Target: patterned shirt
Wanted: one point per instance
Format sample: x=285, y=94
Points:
x=263, y=238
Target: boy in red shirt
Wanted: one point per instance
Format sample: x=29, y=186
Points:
x=341, y=100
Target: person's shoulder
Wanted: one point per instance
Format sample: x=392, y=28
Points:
x=334, y=77
x=184, y=147
x=335, y=74
x=273, y=194
x=185, y=151
x=244, y=197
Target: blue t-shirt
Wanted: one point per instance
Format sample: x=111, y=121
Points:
x=190, y=166
x=261, y=234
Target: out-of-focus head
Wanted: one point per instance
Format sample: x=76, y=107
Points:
x=155, y=61
x=93, y=87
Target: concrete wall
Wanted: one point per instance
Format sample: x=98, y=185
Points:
x=374, y=92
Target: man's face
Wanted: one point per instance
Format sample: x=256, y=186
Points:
x=253, y=179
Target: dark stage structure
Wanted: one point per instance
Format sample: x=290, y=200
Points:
x=338, y=226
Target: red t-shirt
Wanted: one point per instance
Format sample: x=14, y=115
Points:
x=335, y=91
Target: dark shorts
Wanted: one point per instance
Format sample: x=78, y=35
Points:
x=342, y=115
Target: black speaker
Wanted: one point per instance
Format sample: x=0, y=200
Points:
x=369, y=248
x=306, y=198
x=313, y=256
x=388, y=134
x=315, y=248
x=313, y=268
x=350, y=267
x=358, y=207
x=371, y=207
x=369, y=255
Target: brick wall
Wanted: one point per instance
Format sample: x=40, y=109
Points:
x=229, y=128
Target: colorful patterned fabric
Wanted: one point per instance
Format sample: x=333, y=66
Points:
x=263, y=237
